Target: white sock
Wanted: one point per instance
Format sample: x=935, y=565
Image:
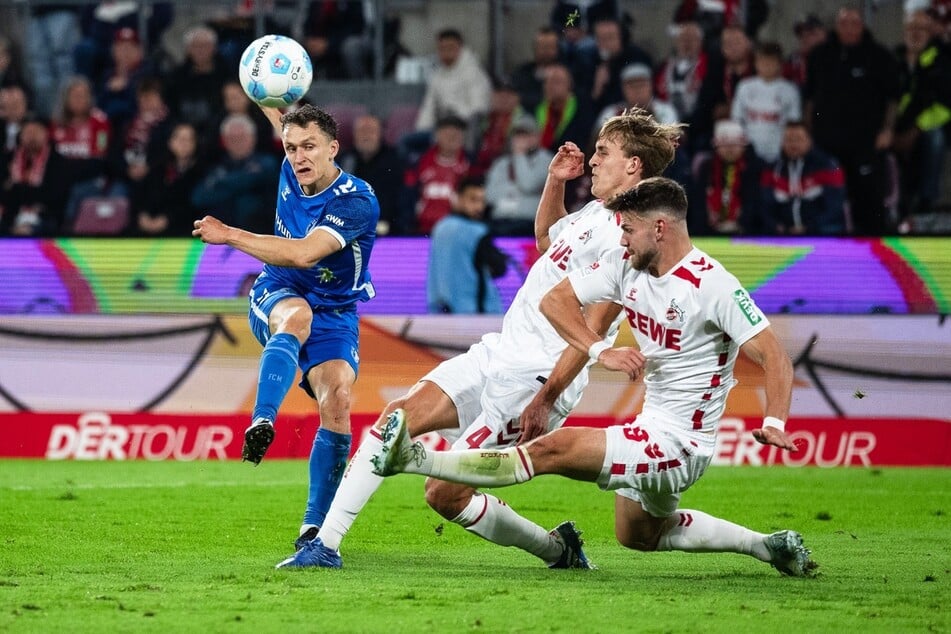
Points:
x=358, y=485
x=477, y=468
x=490, y=518
x=698, y=532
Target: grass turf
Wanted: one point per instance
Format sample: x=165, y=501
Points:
x=190, y=547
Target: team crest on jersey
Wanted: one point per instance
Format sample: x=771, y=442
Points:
x=584, y=237
x=675, y=312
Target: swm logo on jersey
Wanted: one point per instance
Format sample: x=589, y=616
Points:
x=334, y=220
x=745, y=303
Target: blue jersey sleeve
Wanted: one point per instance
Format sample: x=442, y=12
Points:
x=350, y=217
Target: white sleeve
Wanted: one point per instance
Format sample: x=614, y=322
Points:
x=734, y=310
x=600, y=281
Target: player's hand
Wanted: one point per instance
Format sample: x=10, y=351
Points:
x=630, y=361
x=534, y=420
x=211, y=230
x=568, y=162
x=775, y=437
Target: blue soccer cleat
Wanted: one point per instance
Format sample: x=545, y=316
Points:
x=313, y=554
x=573, y=556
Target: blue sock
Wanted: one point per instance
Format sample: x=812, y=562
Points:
x=276, y=375
x=328, y=459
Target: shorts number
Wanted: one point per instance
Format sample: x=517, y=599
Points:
x=476, y=438
x=636, y=434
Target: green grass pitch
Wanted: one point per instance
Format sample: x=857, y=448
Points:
x=190, y=547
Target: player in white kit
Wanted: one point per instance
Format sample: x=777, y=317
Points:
x=690, y=317
x=520, y=383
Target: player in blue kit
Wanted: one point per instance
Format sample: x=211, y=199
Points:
x=303, y=304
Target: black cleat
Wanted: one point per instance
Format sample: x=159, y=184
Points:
x=305, y=537
x=257, y=438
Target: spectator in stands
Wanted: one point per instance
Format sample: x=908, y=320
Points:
x=514, y=183
x=100, y=23
x=851, y=97
x=430, y=183
x=138, y=143
x=727, y=198
x=52, y=34
x=193, y=89
x=529, y=77
x=81, y=132
x=335, y=34
x=733, y=63
x=34, y=194
x=764, y=103
x=166, y=207
x=235, y=101
x=117, y=94
x=810, y=33
x=463, y=260
x=238, y=27
x=805, y=190
x=380, y=165
x=239, y=189
x=924, y=111
x=13, y=111
x=680, y=76
x=11, y=74
x=714, y=17
x=458, y=86
x=615, y=52
x=495, y=127
x=637, y=85
x=562, y=115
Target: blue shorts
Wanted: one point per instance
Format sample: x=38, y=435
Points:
x=334, y=332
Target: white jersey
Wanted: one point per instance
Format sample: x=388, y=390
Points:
x=528, y=345
x=764, y=108
x=689, y=323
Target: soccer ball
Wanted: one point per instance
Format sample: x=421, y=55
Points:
x=275, y=71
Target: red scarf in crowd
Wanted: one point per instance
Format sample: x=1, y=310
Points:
x=723, y=191
x=28, y=169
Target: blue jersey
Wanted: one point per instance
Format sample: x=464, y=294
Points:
x=348, y=210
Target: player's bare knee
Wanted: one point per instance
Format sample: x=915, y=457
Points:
x=643, y=536
x=446, y=498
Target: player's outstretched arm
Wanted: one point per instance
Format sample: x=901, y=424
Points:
x=766, y=350
x=562, y=308
x=534, y=419
x=566, y=165
x=299, y=253
x=274, y=116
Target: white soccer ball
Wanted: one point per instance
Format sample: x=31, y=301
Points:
x=275, y=71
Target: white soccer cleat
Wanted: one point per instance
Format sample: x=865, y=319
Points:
x=789, y=556
x=398, y=449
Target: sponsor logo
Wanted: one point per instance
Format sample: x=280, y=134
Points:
x=94, y=437
x=657, y=332
x=286, y=192
x=334, y=220
x=745, y=302
x=631, y=295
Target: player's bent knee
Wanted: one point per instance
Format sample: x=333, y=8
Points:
x=447, y=498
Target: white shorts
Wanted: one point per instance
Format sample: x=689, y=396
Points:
x=652, y=460
x=488, y=403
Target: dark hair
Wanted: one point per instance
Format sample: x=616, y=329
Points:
x=770, y=49
x=469, y=181
x=307, y=114
x=150, y=85
x=796, y=123
x=449, y=34
x=652, y=195
x=453, y=121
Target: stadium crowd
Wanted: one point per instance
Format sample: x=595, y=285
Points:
x=844, y=135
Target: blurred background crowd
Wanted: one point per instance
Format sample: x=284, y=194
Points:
x=126, y=118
